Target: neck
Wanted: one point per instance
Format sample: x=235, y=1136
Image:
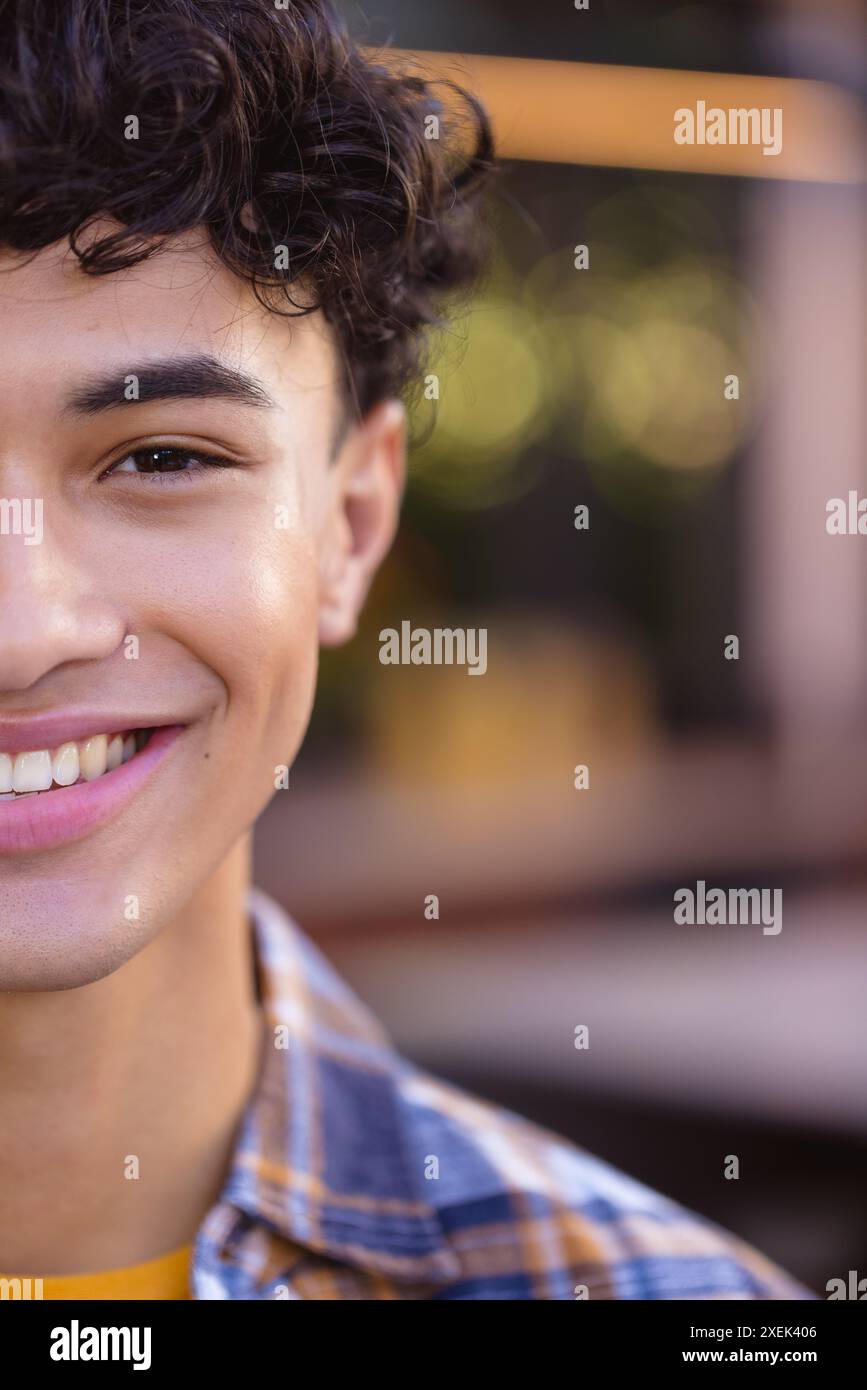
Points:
x=153, y=1064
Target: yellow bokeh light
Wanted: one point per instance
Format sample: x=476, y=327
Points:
x=494, y=399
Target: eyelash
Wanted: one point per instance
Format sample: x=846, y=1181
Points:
x=202, y=460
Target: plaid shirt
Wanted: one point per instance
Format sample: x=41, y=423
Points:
x=358, y=1176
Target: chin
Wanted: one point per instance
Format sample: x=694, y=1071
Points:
x=62, y=933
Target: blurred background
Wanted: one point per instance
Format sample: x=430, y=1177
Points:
x=603, y=387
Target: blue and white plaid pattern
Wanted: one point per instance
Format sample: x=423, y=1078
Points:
x=358, y=1176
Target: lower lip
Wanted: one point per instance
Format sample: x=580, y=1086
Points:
x=66, y=814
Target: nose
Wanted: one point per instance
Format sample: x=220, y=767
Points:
x=49, y=614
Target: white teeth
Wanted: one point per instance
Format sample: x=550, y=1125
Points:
x=93, y=756
x=36, y=772
x=32, y=772
x=64, y=764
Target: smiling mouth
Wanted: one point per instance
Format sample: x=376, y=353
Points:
x=44, y=770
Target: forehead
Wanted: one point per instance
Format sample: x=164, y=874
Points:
x=57, y=321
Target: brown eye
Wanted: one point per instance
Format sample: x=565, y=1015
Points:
x=158, y=461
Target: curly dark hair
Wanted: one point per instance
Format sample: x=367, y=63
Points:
x=268, y=127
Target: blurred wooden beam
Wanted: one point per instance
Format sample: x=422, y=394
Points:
x=591, y=113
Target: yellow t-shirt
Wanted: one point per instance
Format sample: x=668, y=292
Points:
x=166, y=1277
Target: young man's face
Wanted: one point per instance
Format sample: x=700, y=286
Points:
x=192, y=596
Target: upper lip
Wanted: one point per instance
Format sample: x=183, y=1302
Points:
x=28, y=733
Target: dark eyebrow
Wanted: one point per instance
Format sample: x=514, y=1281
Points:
x=175, y=378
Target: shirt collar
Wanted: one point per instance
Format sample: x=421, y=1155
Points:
x=322, y=1156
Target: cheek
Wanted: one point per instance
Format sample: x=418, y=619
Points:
x=228, y=603
x=250, y=614
x=269, y=645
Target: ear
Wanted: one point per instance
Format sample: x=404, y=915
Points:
x=366, y=488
